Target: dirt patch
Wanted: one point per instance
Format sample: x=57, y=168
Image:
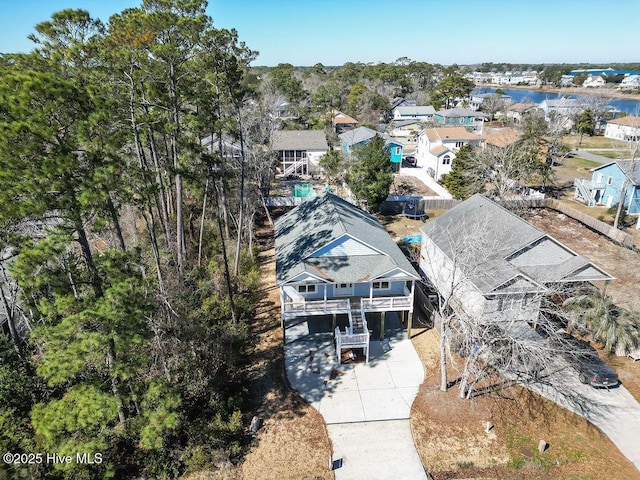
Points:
x=620, y=262
x=293, y=442
x=406, y=185
x=452, y=441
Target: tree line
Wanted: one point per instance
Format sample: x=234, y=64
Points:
x=127, y=243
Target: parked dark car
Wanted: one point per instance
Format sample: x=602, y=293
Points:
x=584, y=358
x=410, y=160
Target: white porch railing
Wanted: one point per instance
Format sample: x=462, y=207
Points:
x=351, y=340
x=297, y=307
x=384, y=304
x=585, y=188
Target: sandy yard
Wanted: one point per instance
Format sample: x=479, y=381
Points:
x=618, y=261
x=451, y=440
x=293, y=443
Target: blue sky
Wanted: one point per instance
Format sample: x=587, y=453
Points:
x=304, y=32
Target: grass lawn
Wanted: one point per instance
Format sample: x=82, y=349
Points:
x=596, y=141
x=572, y=167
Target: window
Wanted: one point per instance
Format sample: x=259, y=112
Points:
x=459, y=144
x=343, y=289
x=306, y=289
x=381, y=285
x=398, y=150
x=446, y=160
x=510, y=302
x=609, y=180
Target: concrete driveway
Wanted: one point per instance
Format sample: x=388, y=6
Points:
x=615, y=411
x=366, y=405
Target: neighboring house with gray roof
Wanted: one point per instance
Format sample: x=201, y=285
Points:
x=492, y=264
x=299, y=151
x=333, y=258
x=360, y=136
x=417, y=112
x=461, y=117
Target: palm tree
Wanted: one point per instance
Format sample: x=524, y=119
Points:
x=615, y=327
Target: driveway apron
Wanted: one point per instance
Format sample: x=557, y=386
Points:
x=366, y=406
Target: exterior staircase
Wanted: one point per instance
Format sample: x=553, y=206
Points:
x=357, y=323
x=584, y=188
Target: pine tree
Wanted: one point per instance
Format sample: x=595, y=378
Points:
x=371, y=176
x=466, y=176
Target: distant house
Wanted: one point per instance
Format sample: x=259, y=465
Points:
x=594, y=81
x=405, y=128
x=230, y=148
x=561, y=110
x=437, y=148
x=478, y=98
x=422, y=113
x=332, y=258
x=460, y=117
x=360, y=136
x=283, y=110
x=501, y=137
x=630, y=81
x=401, y=102
x=607, y=182
x=624, y=128
x=299, y=151
x=342, y=122
x=493, y=265
x=516, y=78
x=517, y=111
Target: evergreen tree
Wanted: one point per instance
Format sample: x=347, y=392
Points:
x=371, y=176
x=466, y=176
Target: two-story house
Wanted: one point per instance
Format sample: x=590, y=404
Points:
x=461, y=117
x=416, y=112
x=299, y=151
x=624, y=128
x=342, y=122
x=490, y=264
x=437, y=148
x=607, y=183
x=630, y=81
x=336, y=260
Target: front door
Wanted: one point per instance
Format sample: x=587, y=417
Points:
x=343, y=289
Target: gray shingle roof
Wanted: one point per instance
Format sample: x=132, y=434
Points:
x=416, y=110
x=459, y=112
x=363, y=134
x=498, y=246
x=357, y=135
x=631, y=169
x=299, y=140
x=318, y=222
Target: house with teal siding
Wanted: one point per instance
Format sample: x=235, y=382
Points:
x=608, y=181
x=461, y=117
x=360, y=136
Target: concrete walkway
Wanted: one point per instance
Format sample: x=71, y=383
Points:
x=366, y=405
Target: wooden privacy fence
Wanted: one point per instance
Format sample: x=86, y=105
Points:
x=619, y=236
x=395, y=205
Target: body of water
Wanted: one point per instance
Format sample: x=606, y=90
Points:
x=630, y=107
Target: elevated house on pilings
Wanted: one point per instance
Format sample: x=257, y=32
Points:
x=336, y=261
